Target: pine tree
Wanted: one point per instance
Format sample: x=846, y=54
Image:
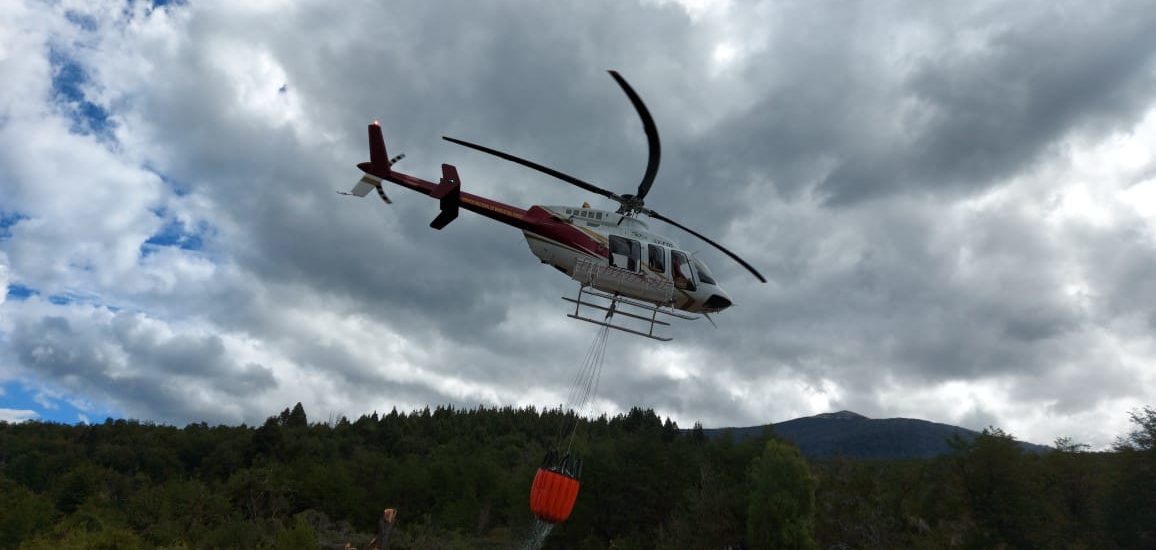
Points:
x=781, y=510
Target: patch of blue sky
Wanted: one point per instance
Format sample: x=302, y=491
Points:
x=61, y=299
x=7, y=220
x=20, y=396
x=20, y=292
x=68, y=80
x=178, y=188
x=74, y=297
x=175, y=233
x=153, y=4
x=163, y=3
x=85, y=22
x=17, y=291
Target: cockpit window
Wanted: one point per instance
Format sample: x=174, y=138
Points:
x=681, y=271
x=704, y=274
x=657, y=258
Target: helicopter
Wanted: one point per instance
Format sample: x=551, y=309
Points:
x=622, y=267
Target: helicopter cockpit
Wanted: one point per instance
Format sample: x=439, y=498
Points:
x=644, y=252
x=693, y=276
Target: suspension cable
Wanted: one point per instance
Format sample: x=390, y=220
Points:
x=584, y=386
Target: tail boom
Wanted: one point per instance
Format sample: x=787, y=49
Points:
x=447, y=190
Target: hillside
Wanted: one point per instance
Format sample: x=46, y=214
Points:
x=853, y=435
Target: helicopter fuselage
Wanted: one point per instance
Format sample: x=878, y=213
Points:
x=618, y=254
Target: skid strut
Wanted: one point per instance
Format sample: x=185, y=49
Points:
x=614, y=308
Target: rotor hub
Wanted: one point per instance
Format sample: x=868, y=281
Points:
x=630, y=205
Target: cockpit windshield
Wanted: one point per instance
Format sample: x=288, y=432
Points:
x=704, y=274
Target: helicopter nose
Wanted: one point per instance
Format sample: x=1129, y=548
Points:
x=717, y=302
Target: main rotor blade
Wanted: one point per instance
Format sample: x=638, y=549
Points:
x=544, y=169
x=658, y=216
x=651, y=136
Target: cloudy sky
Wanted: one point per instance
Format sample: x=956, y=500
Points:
x=954, y=204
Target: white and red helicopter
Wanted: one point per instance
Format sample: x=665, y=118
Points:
x=613, y=255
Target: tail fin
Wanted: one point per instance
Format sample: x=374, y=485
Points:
x=378, y=164
x=377, y=155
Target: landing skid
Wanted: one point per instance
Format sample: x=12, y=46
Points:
x=615, y=309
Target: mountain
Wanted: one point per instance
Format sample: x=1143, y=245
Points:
x=853, y=435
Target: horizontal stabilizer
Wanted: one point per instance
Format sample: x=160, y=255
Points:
x=449, y=191
x=367, y=183
x=364, y=186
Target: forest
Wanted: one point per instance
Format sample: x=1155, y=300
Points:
x=460, y=478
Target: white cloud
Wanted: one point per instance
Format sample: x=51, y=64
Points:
x=3, y=279
x=16, y=415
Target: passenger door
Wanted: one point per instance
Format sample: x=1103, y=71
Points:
x=625, y=253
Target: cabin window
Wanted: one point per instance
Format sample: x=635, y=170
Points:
x=625, y=253
x=598, y=216
x=657, y=256
x=683, y=278
x=704, y=274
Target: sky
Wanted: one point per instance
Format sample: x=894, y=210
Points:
x=954, y=205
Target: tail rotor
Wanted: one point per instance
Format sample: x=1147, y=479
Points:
x=378, y=167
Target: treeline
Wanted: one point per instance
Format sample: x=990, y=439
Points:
x=460, y=478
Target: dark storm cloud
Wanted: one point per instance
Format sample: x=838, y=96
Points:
x=364, y=385
x=979, y=418
x=713, y=404
x=1122, y=263
x=986, y=97
x=1080, y=386
x=903, y=294
x=1037, y=77
x=125, y=361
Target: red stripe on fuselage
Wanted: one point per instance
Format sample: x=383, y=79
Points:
x=550, y=227
x=536, y=220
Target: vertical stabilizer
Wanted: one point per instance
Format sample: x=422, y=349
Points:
x=378, y=158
